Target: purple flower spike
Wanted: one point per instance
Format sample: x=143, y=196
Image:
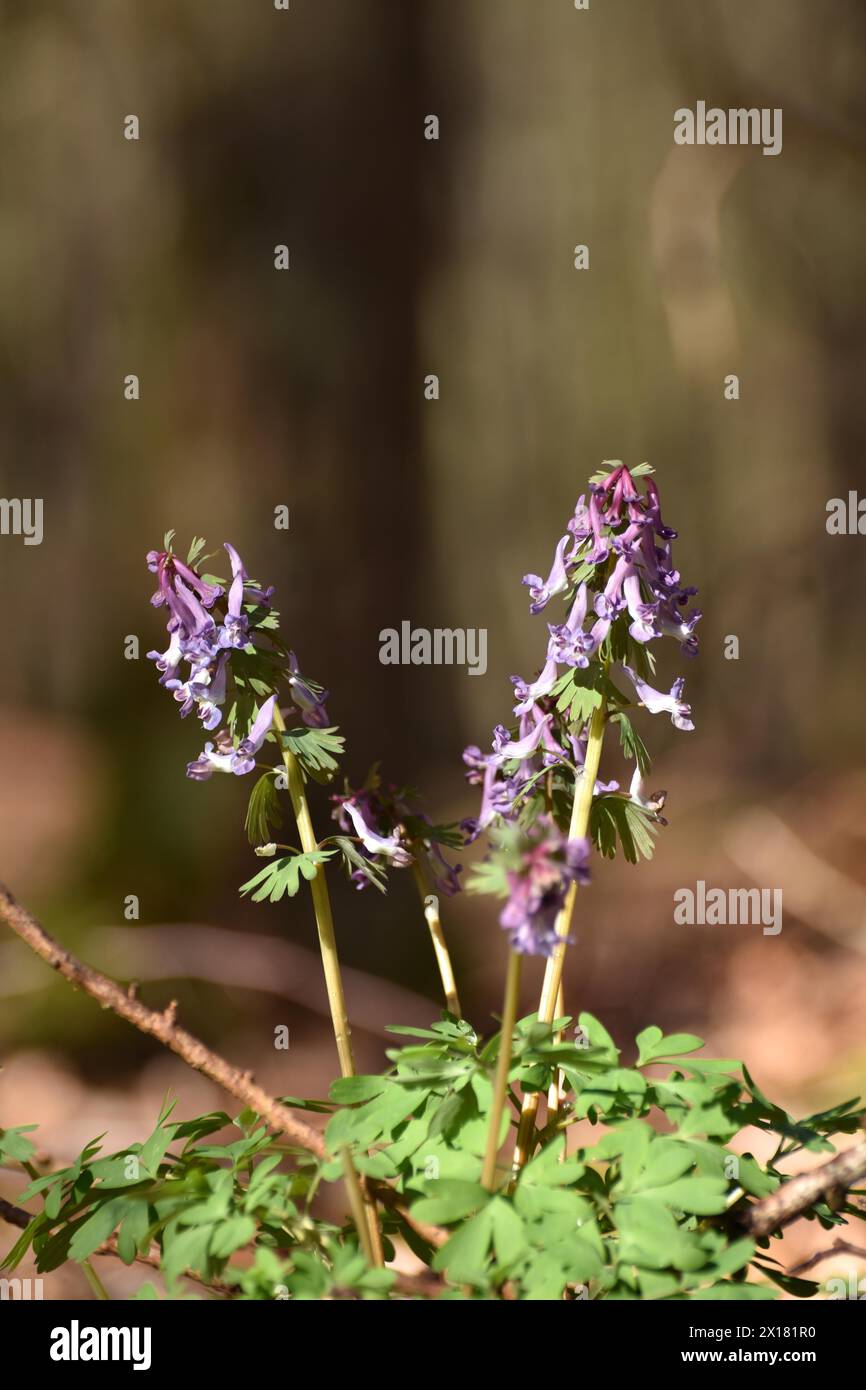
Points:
x=537, y=889
x=659, y=703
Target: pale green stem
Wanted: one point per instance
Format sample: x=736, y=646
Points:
x=553, y=973
x=328, y=948
x=356, y=1204
x=96, y=1284
x=430, y=903
x=321, y=905
x=503, y=1067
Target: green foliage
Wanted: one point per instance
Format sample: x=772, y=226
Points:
x=577, y=693
x=640, y=470
x=317, y=750
x=651, y=1206
x=633, y=745
x=356, y=862
x=283, y=876
x=615, y=819
x=263, y=811
x=14, y=1146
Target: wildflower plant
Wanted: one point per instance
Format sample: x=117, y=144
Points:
x=464, y=1149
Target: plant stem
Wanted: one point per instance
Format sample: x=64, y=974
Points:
x=356, y=1205
x=328, y=949
x=503, y=1066
x=440, y=949
x=96, y=1284
x=554, y=1094
x=321, y=905
x=553, y=973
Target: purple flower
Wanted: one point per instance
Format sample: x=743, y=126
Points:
x=557, y=581
x=568, y=642
x=658, y=703
x=629, y=592
x=446, y=877
x=498, y=794
x=505, y=747
x=310, y=702
x=682, y=626
x=654, y=802
x=225, y=757
x=373, y=842
x=215, y=758
x=186, y=595
x=601, y=547
x=234, y=632
x=537, y=888
x=528, y=694
x=168, y=662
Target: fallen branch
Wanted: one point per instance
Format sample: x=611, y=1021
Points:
x=162, y=1026
x=840, y=1247
x=831, y=1181
x=15, y=1216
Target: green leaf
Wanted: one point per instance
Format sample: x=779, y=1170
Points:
x=633, y=745
x=464, y=1256
x=449, y=1200
x=230, y=1235
x=355, y=862
x=133, y=1231
x=549, y=1168
x=653, y=1045
x=377, y=1118
x=649, y=1235
x=508, y=1230
x=348, y=1090
x=90, y=1233
x=185, y=1249
x=697, y=1196
x=613, y=818
x=14, y=1145
x=490, y=876
x=317, y=750
x=263, y=811
x=282, y=876
x=797, y=1288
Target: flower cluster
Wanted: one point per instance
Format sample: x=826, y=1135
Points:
x=547, y=865
x=614, y=569
x=392, y=834
x=225, y=639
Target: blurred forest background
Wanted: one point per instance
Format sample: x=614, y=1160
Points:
x=306, y=388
